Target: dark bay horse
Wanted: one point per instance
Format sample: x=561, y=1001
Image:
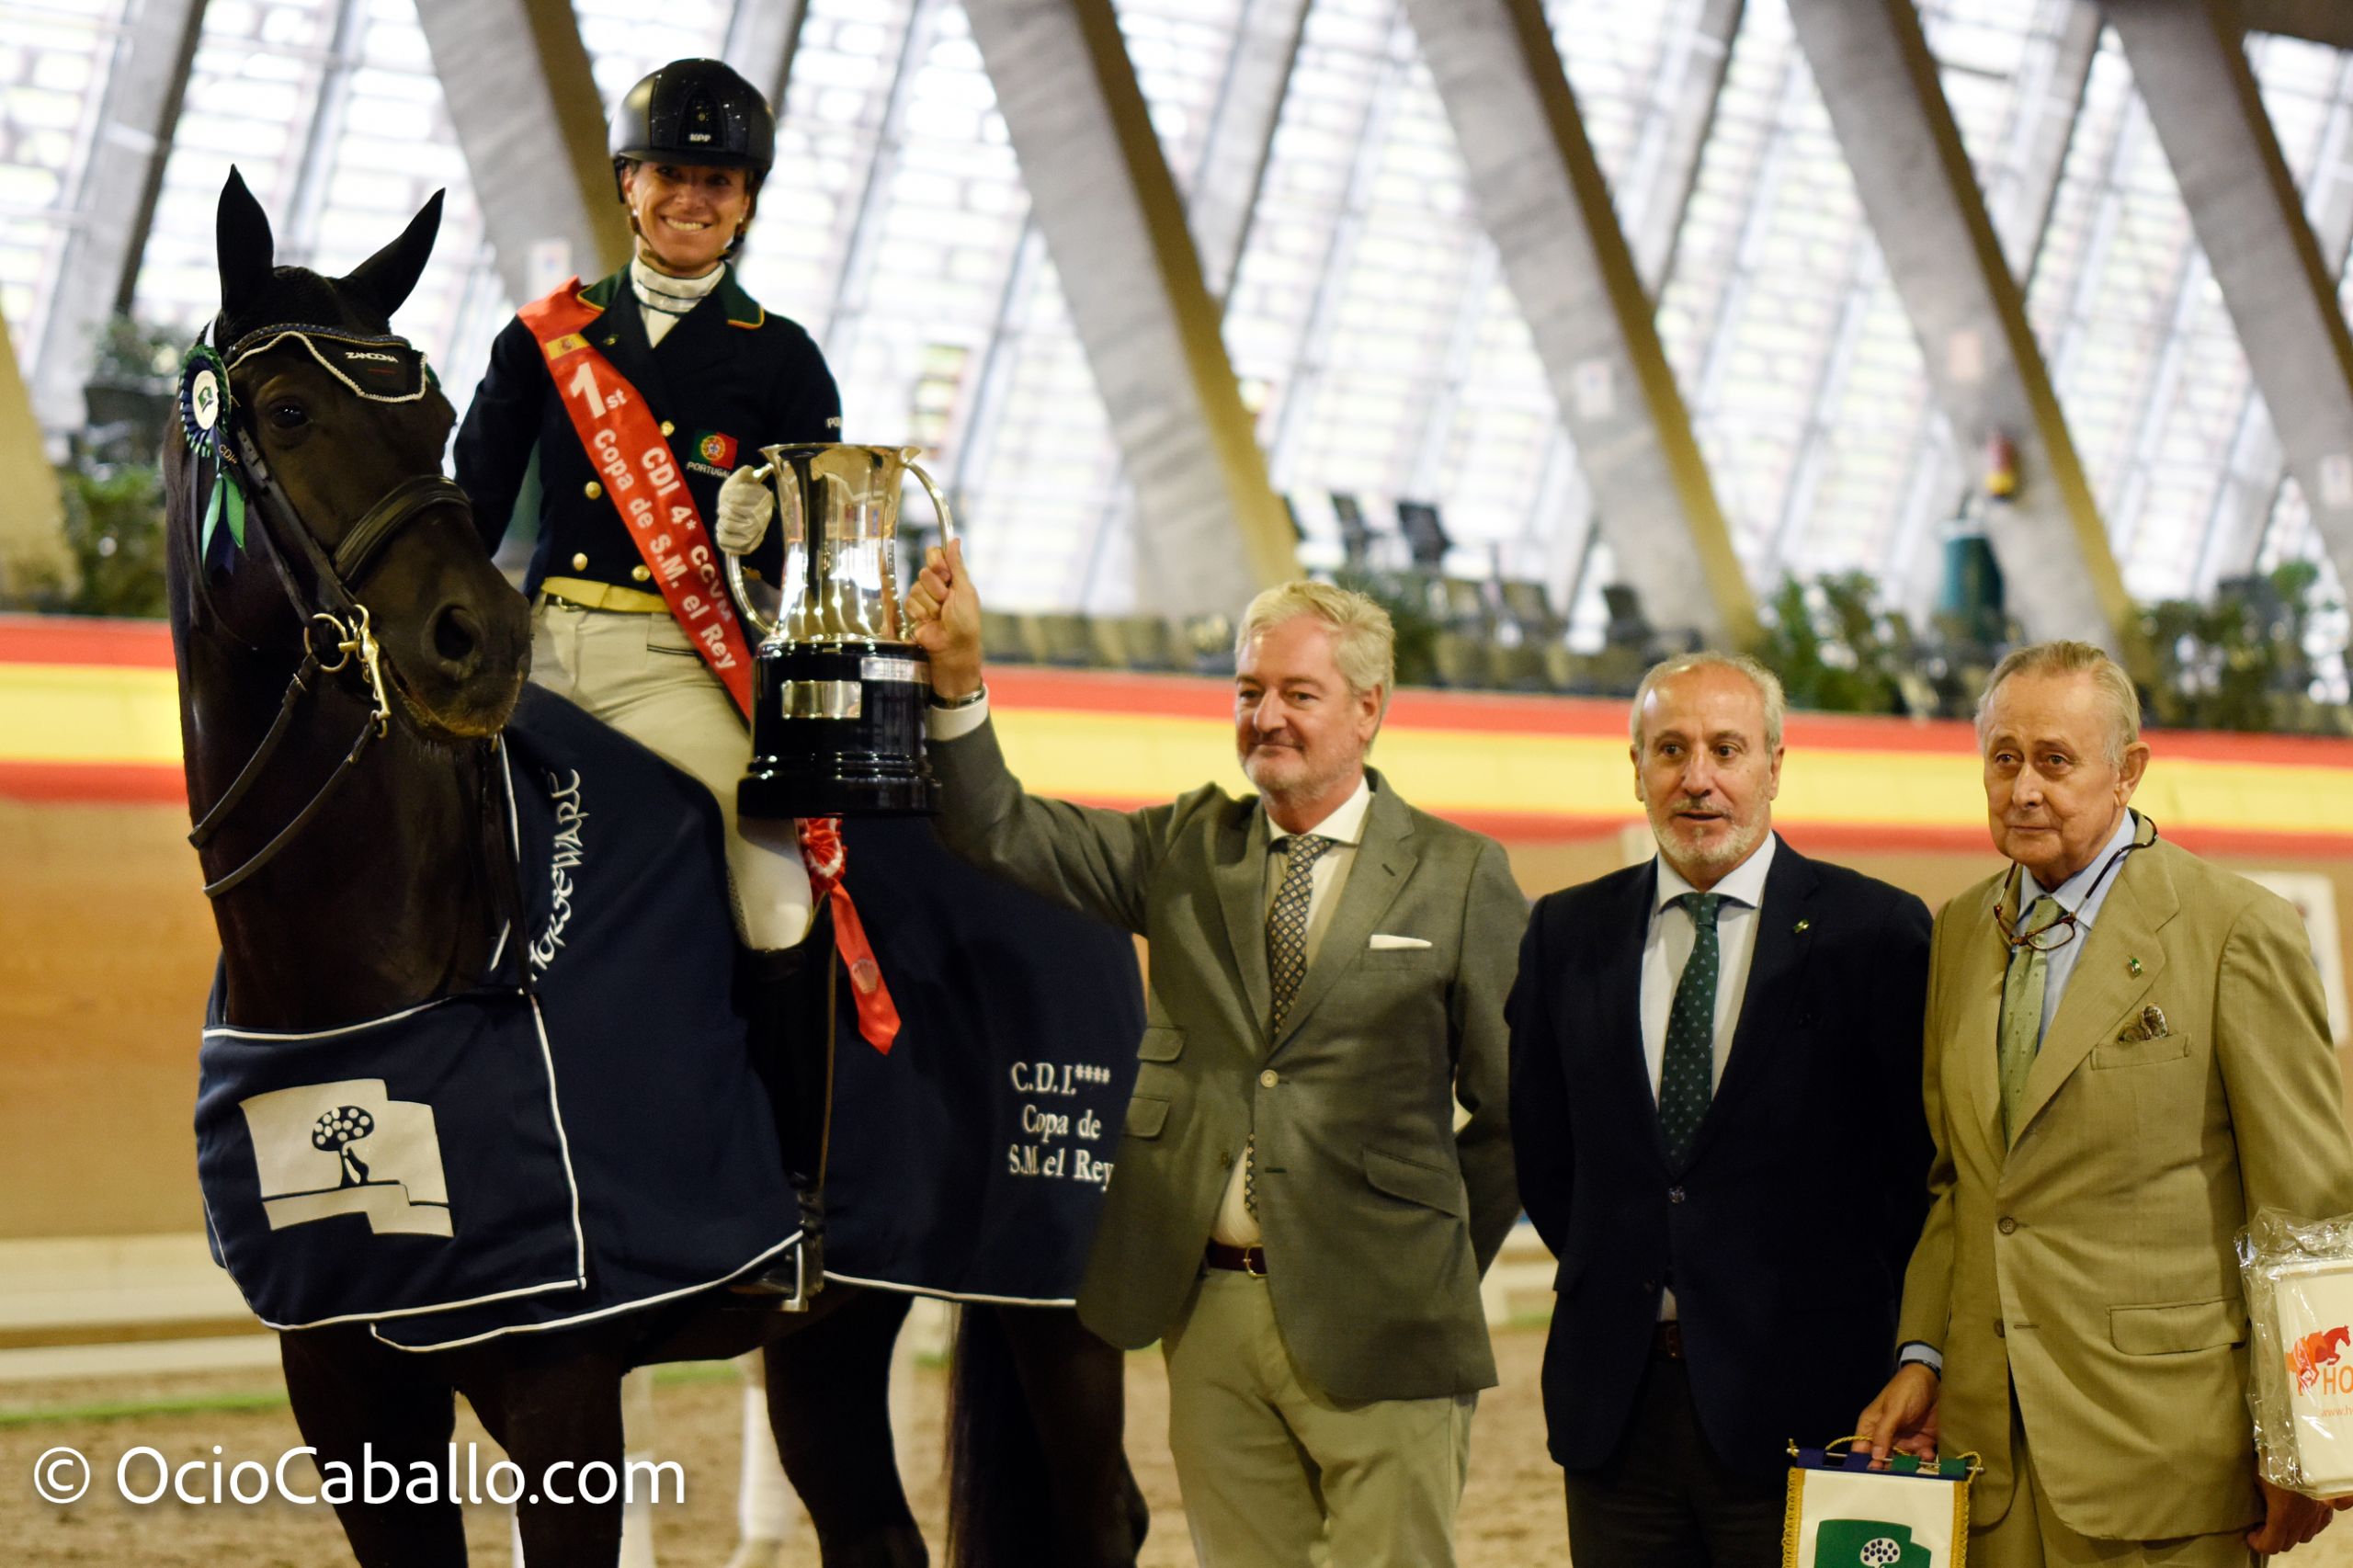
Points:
x=345, y=668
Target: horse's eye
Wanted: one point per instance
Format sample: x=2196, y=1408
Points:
x=288, y=415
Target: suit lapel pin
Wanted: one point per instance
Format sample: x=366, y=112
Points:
x=1803, y=926
x=2132, y=966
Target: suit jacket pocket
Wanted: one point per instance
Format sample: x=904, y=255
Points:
x=1416, y=1183
x=1146, y=1116
x=2140, y=1053
x=1160, y=1043
x=2174, y=1327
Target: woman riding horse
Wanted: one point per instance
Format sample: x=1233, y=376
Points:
x=585, y=373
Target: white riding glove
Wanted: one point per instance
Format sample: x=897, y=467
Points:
x=745, y=506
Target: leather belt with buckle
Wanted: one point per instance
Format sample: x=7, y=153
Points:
x=1668, y=1340
x=1242, y=1260
x=582, y=594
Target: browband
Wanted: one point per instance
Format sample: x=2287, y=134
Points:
x=379, y=366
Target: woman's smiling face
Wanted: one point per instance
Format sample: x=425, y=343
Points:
x=686, y=214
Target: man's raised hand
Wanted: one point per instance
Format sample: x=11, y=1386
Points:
x=944, y=616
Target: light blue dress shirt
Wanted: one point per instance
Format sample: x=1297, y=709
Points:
x=2084, y=894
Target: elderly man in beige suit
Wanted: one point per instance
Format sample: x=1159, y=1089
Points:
x=1294, y=1214
x=2127, y=1055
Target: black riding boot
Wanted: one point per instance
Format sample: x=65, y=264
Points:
x=787, y=997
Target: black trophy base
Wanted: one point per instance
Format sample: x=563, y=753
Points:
x=837, y=731
x=775, y=793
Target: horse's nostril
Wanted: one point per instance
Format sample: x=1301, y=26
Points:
x=457, y=636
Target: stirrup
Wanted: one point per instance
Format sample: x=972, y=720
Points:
x=785, y=1286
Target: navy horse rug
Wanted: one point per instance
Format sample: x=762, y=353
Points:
x=971, y=1161
x=583, y=1135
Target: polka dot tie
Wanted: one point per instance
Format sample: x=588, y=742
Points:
x=1686, y=1076
x=1287, y=921
x=1286, y=956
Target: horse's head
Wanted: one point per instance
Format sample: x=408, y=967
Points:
x=349, y=428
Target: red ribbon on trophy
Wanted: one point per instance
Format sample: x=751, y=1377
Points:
x=821, y=850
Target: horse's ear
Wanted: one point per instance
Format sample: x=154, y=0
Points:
x=246, y=248
x=384, y=280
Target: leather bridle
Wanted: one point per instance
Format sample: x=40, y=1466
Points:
x=336, y=630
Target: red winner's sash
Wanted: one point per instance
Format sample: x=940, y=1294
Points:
x=643, y=482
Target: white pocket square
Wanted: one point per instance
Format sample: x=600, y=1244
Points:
x=1384, y=943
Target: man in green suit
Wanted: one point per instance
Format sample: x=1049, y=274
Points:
x=2127, y=1055
x=1294, y=1214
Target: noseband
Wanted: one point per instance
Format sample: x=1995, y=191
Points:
x=337, y=633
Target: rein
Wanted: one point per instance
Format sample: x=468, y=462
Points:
x=331, y=605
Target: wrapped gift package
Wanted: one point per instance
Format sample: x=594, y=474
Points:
x=2299, y=1278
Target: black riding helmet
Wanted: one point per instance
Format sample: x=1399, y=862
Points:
x=694, y=112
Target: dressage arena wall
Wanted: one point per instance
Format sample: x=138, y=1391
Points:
x=106, y=947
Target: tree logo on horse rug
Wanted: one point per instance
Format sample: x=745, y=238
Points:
x=307, y=1148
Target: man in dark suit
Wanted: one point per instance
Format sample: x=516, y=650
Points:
x=1715, y=1108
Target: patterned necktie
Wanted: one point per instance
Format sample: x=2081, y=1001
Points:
x=1287, y=921
x=2022, y=988
x=1286, y=958
x=1687, y=1075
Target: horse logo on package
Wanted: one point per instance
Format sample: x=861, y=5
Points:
x=2314, y=1353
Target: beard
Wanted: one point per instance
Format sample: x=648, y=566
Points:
x=1285, y=771
x=1718, y=854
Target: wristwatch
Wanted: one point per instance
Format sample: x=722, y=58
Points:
x=978, y=695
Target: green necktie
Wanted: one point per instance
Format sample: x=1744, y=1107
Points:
x=2022, y=987
x=1687, y=1075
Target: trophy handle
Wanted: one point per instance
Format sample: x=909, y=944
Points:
x=938, y=502
x=764, y=474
